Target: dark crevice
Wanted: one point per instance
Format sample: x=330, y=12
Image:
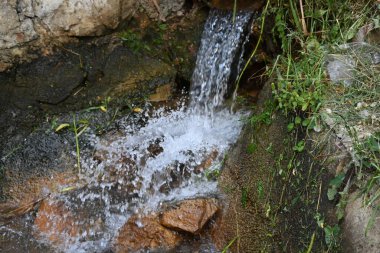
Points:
x=81, y=85
x=182, y=84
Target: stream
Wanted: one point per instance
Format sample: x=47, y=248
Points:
x=157, y=159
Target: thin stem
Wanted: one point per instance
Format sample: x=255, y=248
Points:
x=254, y=51
x=304, y=28
x=77, y=144
x=234, y=12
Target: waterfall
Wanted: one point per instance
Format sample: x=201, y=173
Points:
x=217, y=63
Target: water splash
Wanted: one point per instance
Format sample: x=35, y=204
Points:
x=143, y=168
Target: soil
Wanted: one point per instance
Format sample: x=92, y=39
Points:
x=264, y=212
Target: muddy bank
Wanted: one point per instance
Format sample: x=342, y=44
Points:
x=273, y=193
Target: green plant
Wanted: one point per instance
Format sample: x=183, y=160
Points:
x=263, y=118
x=252, y=147
x=299, y=147
x=260, y=189
x=234, y=11
x=244, y=197
x=77, y=130
x=225, y=249
x=332, y=236
x=334, y=186
x=212, y=173
x=132, y=40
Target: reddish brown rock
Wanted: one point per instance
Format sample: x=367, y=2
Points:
x=190, y=215
x=59, y=224
x=206, y=163
x=54, y=221
x=145, y=233
x=163, y=93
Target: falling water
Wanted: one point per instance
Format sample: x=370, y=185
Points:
x=218, y=58
x=145, y=165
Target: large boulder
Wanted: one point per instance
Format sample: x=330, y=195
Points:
x=27, y=27
x=22, y=21
x=361, y=227
x=82, y=17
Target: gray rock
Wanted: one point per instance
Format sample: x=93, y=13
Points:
x=355, y=238
x=15, y=28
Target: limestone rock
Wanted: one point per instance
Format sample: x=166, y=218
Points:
x=15, y=28
x=81, y=18
x=145, y=233
x=355, y=224
x=163, y=9
x=190, y=215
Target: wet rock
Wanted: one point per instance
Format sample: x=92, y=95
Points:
x=61, y=224
x=145, y=234
x=190, y=215
x=357, y=236
x=55, y=221
x=33, y=162
x=206, y=163
x=154, y=148
x=126, y=71
x=49, y=80
x=163, y=93
x=172, y=177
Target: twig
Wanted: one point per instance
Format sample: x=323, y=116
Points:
x=304, y=28
x=158, y=10
x=237, y=227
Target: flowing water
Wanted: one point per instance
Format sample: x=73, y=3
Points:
x=159, y=160
x=219, y=58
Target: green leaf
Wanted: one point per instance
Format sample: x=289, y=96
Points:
x=338, y=180
x=300, y=146
x=290, y=127
x=103, y=108
x=334, y=184
x=297, y=120
x=331, y=192
x=306, y=122
x=304, y=106
x=252, y=147
x=62, y=126
x=244, y=197
x=331, y=235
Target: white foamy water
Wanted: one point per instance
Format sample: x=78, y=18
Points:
x=133, y=177
x=218, y=58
